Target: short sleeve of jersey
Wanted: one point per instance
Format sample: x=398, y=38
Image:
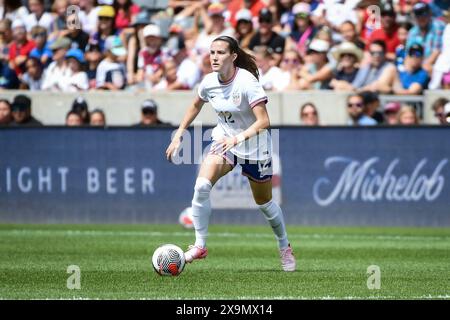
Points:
x=201, y=90
x=255, y=92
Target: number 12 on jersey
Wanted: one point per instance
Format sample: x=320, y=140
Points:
x=227, y=116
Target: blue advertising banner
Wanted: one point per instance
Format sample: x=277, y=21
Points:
x=322, y=176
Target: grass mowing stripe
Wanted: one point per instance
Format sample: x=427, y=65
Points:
x=115, y=263
x=95, y=233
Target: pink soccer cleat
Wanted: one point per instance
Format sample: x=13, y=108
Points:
x=287, y=259
x=195, y=252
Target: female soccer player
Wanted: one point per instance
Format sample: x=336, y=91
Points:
x=240, y=137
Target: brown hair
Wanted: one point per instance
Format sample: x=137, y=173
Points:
x=244, y=60
x=440, y=102
x=38, y=29
x=308, y=104
x=405, y=109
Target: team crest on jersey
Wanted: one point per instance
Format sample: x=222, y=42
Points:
x=236, y=98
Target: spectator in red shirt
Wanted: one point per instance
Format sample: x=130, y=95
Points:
x=126, y=11
x=388, y=33
x=150, y=57
x=20, y=48
x=253, y=5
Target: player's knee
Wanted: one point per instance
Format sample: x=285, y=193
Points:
x=202, y=185
x=202, y=189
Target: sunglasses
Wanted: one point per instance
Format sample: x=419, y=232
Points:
x=377, y=53
x=421, y=13
x=348, y=55
x=359, y=105
x=302, y=15
x=18, y=109
x=41, y=34
x=417, y=54
x=294, y=61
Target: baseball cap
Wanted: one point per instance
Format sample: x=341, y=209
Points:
x=421, y=9
x=216, y=9
x=265, y=15
x=387, y=9
x=76, y=54
x=301, y=7
x=152, y=30
x=175, y=44
x=446, y=78
x=392, y=107
x=79, y=104
x=92, y=46
x=106, y=11
x=21, y=102
x=149, y=105
x=142, y=17
x=115, y=46
x=61, y=43
x=415, y=50
x=244, y=14
x=319, y=45
x=17, y=23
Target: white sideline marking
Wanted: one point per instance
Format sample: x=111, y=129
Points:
x=345, y=298
x=37, y=232
x=423, y=297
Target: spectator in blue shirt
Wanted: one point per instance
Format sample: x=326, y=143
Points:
x=427, y=32
x=42, y=50
x=400, y=51
x=414, y=79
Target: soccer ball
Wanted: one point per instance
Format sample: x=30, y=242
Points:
x=168, y=260
x=185, y=218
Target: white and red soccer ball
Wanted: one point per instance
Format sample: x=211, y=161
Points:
x=185, y=218
x=168, y=260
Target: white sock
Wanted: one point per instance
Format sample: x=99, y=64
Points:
x=201, y=210
x=273, y=214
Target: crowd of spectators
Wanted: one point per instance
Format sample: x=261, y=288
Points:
x=402, y=48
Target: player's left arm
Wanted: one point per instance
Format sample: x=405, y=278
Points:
x=262, y=122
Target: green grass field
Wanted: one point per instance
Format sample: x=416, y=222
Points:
x=243, y=263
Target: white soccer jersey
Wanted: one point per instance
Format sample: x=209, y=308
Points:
x=233, y=101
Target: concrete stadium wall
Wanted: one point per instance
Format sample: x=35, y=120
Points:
x=123, y=108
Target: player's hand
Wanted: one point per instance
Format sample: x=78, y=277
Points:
x=225, y=144
x=172, y=149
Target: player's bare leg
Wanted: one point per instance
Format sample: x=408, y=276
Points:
x=262, y=193
x=213, y=168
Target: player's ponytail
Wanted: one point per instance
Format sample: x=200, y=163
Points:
x=244, y=60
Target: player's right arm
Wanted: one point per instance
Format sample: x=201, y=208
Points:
x=191, y=113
